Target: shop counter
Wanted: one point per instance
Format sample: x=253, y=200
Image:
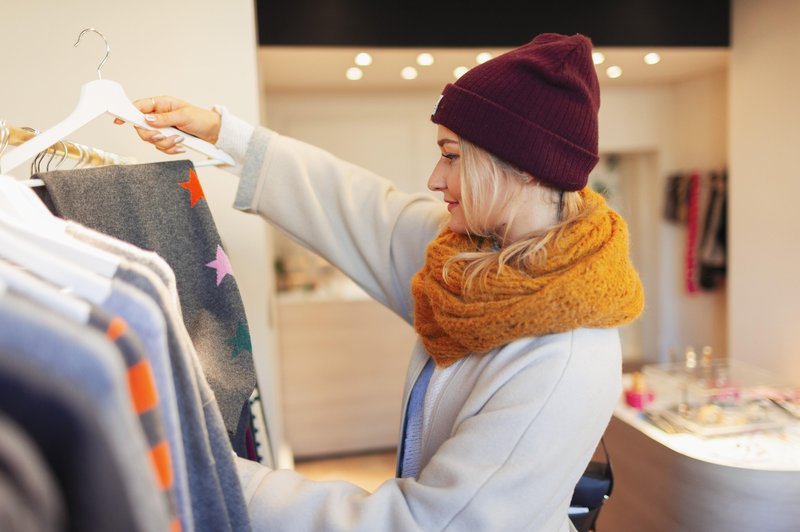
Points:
x=683, y=482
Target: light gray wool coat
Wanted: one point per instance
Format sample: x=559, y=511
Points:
x=506, y=435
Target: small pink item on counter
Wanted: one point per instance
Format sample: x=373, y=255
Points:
x=638, y=396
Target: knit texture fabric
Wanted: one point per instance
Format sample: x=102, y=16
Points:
x=411, y=442
x=535, y=106
x=161, y=207
x=587, y=280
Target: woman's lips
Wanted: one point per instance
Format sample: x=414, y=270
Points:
x=451, y=205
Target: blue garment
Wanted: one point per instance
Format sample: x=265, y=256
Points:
x=412, y=429
x=217, y=498
x=147, y=321
x=66, y=385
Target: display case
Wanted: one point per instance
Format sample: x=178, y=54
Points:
x=709, y=397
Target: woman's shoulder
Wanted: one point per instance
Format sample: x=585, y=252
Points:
x=574, y=343
x=579, y=357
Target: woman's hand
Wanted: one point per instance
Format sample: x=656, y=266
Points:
x=164, y=111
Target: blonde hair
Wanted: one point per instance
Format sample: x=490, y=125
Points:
x=490, y=209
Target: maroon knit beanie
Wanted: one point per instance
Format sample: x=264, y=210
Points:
x=535, y=107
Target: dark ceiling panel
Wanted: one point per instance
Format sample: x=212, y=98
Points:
x=487, y=23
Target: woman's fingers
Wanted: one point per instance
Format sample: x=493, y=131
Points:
x=168, y=144
x=166, y=111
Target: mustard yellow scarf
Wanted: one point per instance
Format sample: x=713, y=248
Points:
x=587, y=280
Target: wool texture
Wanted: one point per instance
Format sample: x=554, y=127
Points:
x=161, y=207
x=535, y=107
x=587, y=280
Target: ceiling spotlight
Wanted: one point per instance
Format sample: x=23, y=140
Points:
x=598, y=58
x=483, y=57
x=613, y=72
x=354, y=74
x=408, y=72
x=363, y=59
x=425, y=59
x=459, y=71
x=652, y=58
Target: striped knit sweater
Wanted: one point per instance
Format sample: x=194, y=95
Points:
x=145, y=403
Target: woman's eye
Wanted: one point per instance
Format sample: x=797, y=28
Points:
x=450, y=156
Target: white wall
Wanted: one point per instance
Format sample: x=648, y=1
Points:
x=659, y=129
x=202, y=51
x=764, y=300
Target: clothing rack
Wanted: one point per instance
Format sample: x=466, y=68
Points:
x=14, y=136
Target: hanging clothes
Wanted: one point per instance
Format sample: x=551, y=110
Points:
x=147, y=324
x=145, y=401
x=692, y=216
x=67, y=387
x=161, y=207
x=714, y=243
x=700, y=203
x=216, y=498
x=30, y=500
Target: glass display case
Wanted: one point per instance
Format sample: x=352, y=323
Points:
x=713, y=397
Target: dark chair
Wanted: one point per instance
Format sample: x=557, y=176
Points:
x=592, y=491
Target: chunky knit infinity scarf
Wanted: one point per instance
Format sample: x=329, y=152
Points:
x=587, y=280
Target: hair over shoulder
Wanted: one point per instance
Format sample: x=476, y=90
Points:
x=491, y=200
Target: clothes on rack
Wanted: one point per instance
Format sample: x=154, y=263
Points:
x=714, y=243
x=699, y=202
x=145, y=400
x=217, y=503
x=28, y=498
x=126, y=431
x=692, y=218
x=66, y=386
x=161, y=207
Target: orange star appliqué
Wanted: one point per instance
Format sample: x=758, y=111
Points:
x=193, y=186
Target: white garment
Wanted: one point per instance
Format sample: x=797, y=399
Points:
x=510, y=432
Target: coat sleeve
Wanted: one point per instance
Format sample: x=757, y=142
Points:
x=357, y=221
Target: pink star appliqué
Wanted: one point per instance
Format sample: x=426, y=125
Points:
x=221, y=264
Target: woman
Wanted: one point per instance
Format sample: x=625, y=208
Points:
x=515, y=294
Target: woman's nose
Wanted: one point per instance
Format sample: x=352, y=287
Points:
x=436, y=182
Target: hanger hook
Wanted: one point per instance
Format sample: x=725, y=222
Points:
x=5, y=135
x=108, y=49
x=81, y=155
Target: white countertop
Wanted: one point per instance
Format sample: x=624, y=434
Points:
x=773, y=450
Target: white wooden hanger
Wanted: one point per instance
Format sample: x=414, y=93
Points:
x=97, y=98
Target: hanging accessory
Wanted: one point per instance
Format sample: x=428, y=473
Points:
x=98, y=97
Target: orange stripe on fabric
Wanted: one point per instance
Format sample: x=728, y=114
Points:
x=143, y=386
x=175, y=525
x=162, y=463
x=116, y=328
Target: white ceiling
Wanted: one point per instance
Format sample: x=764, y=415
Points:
x=311, y=68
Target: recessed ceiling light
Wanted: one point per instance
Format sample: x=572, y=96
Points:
x=598, y=58
x=459, y=71
x=613, y=72
x=483, y=57
x=424, y=59
x=354, y=73
x=363, y=59
x=408, y=72
x=652, y=58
